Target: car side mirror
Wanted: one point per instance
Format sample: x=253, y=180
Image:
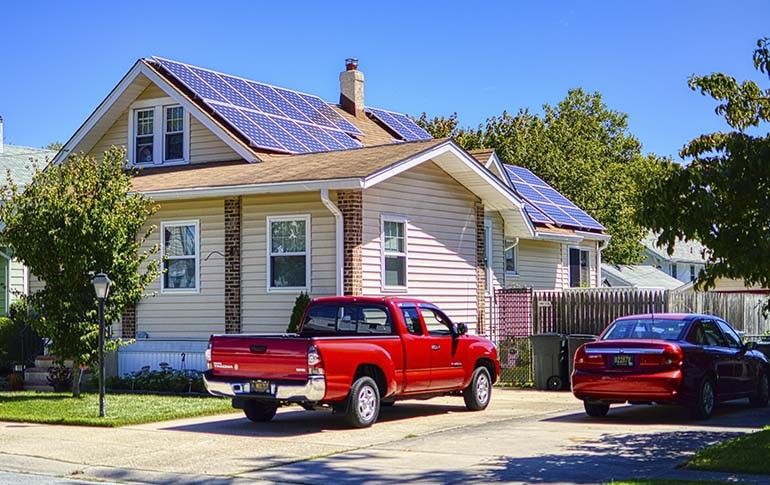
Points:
x=459, y=329
x=749, y=346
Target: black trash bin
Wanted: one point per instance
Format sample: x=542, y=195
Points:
x=573, y=342
x=548, y=356
x=764, y=347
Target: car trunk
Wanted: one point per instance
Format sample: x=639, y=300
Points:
x=260, y=356
x=628, y=356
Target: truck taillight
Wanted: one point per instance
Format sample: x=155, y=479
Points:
x=207, y=354
x=315, y=364
x=585, y=360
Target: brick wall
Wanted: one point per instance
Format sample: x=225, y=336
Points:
x=350, y=203
x=233, y=265
x=481, y=272
x=128, y=322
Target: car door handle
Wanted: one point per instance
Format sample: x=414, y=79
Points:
x=435, y=347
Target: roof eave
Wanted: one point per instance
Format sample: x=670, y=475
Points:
x=254, y=189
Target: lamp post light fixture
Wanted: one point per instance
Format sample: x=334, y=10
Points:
x=102, y=289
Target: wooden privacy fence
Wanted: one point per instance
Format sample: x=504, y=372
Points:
x=744, y=311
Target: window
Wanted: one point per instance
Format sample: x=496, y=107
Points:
x=158, y=132
x=693, y=272
x=394, y=252
x=412, y=319
x=511, y=248
x=579, y=268
x=733, y=340
x=180, y=252
x=635, y=329
x=288, y=254
x=711, y=334
x=435, y=322
x=673, y=270
x=335, y=319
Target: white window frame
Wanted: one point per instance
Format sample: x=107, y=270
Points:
x=405, y=254
x=159, y=106
x=591, y=283
x=489, y=261
x=515, y=248
x=163, y=226
x=268, y=252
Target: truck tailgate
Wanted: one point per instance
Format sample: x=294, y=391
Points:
x=260, y=356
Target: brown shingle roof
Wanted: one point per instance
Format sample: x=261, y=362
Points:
x=482, y=156
x=343, y=164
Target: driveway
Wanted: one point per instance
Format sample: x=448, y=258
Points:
x=525, y=436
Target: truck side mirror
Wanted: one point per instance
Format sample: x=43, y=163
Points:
x=459, y=329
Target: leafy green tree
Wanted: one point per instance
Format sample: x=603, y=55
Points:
x=300, y=305
x=722, y=197
x=73, y=220
x=54, y=145
x=583, y=149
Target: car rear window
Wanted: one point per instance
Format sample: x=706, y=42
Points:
x=336, y=319
x=643, y=329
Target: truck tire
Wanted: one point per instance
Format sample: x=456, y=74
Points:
x=363, y=403
x=479, y=392
x=259, y=411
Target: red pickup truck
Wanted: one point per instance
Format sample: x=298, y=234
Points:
x=352, y=355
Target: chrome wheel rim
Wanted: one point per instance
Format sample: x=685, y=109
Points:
x=367, y=403
x=708, y=397
x=482, y=388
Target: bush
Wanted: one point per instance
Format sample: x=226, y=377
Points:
x=164, y=380
x=300, y=305
x=18, y=342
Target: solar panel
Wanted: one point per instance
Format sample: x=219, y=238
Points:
x=545, y=205
x=401, y=124
x=270, y=117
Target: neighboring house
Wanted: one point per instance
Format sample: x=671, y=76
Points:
x=266, y=192
x=728, y=285
x=684, y=264
x=637, y=276
x=20, y=163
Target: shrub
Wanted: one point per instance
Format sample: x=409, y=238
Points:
x=18, y=342
x=164, y=380
x=300, y=305
x=15, y=381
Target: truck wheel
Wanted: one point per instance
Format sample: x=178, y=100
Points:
x=259, y=411
x=596, y=409
x=363, y=403
x=761, y=395
x=478, y=393
x=704, y=404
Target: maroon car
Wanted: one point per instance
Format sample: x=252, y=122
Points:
x=690, y=359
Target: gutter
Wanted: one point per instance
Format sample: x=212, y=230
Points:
x=338, y=232
x=559, y=237
x=253, y=189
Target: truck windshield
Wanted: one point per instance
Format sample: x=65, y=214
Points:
x=646, y=328
x=355, y=319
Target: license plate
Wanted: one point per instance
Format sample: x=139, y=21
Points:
x=622, y=360
x=260, y=386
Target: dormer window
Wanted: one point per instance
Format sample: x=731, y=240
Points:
x=158, y=133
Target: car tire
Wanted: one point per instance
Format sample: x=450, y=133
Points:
x=705, y=401
x=363, y=403
x=478, y=394
x=259, y=411
x=596, y=409
x=761, y=395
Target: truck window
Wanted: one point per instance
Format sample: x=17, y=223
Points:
x=336, y=319
x=436, y=322
x=412, y=320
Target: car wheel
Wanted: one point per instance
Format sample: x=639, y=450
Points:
x=479, y=392
x=761, y=395
x=706, y=400
x=259, y=411
x=596, y=409
x=363, y=403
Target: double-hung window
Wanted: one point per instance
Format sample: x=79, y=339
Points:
x=394, y=264
x=579, y=268
x=158, y=132
x=180, y=248
x=288, y=249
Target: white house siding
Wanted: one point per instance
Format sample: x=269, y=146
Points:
x=441, y=238
x=497, y=266
x=194, y=315
x=541, y=265
x=269, y=311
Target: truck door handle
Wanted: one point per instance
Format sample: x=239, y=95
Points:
x=435, y=347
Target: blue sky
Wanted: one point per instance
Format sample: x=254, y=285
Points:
x=60, y=59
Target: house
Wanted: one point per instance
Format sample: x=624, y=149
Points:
x=265, y=192
x=684, y=264
x=637, y=276
x=20, y=162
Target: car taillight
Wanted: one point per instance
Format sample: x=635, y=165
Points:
x=207, y=354
x=315, y=365
x=585, y=360
x=672, y=356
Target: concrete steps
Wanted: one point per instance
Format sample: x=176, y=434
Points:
x=36, y=378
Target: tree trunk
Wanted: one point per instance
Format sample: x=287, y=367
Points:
x=76, y=378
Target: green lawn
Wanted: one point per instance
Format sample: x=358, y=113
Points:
x=121, y=409
x=663, y=482
x=747, y=454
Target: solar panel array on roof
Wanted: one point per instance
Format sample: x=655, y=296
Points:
x=270, y=117
x=545, y=205
x=401, y=124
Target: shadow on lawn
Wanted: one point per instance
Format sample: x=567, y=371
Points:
x=9, y=397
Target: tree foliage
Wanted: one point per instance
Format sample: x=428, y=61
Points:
x=54, y=145
x=583, y=149
x=76, y=219
x=722, y=197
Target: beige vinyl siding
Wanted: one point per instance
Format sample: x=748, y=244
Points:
x=205, y=146
x=269, y=311
x=441, y=238
x=541, y=265
x=498, y=263
x=194, y=314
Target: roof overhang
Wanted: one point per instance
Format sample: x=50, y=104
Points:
x=254, y=189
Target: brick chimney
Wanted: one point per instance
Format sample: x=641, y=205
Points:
x=352, y=88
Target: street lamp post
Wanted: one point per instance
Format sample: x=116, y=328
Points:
x=102, y=289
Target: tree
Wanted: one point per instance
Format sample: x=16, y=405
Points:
x=722, y=197
x=73, y=220
x=583, y=149
x=54, y=145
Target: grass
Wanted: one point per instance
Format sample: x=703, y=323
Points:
x=121, y=409
x=662, y=482
x=747, y=454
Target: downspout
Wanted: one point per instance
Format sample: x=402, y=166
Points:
x=338, y=233
x=599, y=247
